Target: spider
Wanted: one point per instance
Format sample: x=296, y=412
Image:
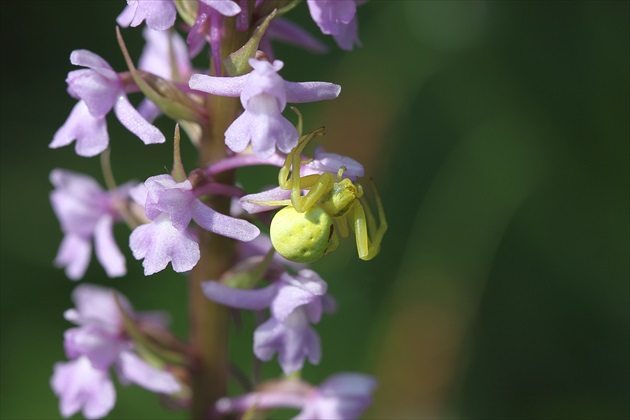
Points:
x=306, y=229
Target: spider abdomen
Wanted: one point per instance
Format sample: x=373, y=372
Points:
x=301, y=237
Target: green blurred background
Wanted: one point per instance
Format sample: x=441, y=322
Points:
x=497, y=133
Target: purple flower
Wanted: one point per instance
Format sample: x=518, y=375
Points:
x=156, y=55
x=99, y=89
x=341, y=396
x=295, y=303
x=86, y=211
x=160, y=15
x=336, y=18
x=208, y=27
x=322, y=162
x=264, y=95
x=171, y=206
x=82, y=387
x=98, y=343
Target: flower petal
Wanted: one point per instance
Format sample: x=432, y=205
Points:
x=159, y=15
x=221, y=224
x=74, y=254
x=89, y=132
x=247, y=201
x=93, y=61
x=134, y=122
x=254, y=299
x=221, y=86
x=159, y=243
x=286, y=31
x=107, y=251
x=80, y=386
x=136, y=370
x=225, y=7
x=300, y=92
x=99, y=93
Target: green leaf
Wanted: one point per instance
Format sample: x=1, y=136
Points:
x=236, y=63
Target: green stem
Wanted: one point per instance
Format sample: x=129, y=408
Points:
x=209, y=366
x=209, y=363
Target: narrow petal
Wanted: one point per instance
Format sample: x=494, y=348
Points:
x=225, y=7
x=89, y=132
x=249, y=205
x=107, y=252
x=262, y=401
x=221, y=86
x=133, y=121
x=313, y=345
x=348, y=384
x=221, y=224
x=74, y=255
x=347, y=36
x=137, y=371
x=148, y=110
x=254, y=299
x=301, y=92
x=290, y=33
x=126, y=16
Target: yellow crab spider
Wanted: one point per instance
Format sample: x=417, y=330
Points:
x=306, y=229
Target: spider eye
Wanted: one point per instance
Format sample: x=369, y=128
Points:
x=301, y=237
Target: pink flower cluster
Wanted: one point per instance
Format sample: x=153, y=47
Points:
x=166, y=212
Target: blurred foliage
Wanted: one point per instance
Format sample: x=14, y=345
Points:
x=497, y=133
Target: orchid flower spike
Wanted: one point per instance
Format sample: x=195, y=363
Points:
x=99, y=90
x=264, y=95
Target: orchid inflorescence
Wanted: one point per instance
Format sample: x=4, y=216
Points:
x=174, y=216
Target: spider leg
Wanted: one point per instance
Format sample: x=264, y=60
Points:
x=291, y=168
x=322, y=185
x=375, y=244
x=272, y=203
x=360, y=230
x=371, y=221
x=342, y=224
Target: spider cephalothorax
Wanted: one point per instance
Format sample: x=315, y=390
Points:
x=308, y=227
